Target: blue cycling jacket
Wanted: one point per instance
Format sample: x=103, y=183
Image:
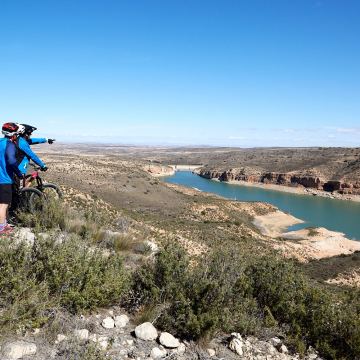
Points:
x=25, y=154
x=8, y=163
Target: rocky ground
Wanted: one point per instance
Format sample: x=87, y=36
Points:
x=113, y=334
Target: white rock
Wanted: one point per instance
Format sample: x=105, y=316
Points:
x=108, y=323
x=236, y=335
x=60, y=338
x=169, y=341
x=152, y=246
x=283, y=349
x=211, y=352
x=25, y=235
x=82, y=334
x=103, y=342
x=275, y=341
x=18, y=349
x=181, y=349
x=157, y=353
x=121, y=321
x=146, y=331
x=129, y=342
x=236, y=346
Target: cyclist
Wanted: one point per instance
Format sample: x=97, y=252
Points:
x=8, y=167
x=24, y=153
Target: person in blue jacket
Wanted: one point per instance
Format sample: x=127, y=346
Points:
x=8, y=167
x=24, y=153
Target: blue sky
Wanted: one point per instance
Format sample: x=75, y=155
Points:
x=224, y=72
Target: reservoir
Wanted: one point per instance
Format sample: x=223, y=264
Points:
x=336, y=215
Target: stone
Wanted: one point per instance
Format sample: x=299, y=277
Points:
x=211, y=352
x=283, y=349
x=129, y=342
x=82, y=334
x=146, y=331
x=152, y=246
x=18, y=349
x=157, y=353
x=108, y=323
x=103, y=342
x=121, y=321
x=60, y=338
x=236, y=346
x=276, y=342
x=25, y=235
x=181, y=349
x=169, y=341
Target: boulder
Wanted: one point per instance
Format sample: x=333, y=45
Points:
x=236, y=344
x=18, y=349
x=108, y=323
x=169, y=341
x=211, y=352
x=25, y=235
x=121, y=321
x=157, y=353
x=146, y=331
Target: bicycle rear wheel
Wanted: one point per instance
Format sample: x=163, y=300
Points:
x=51, y=191
x=30, y=200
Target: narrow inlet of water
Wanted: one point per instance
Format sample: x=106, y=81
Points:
x=336, y=215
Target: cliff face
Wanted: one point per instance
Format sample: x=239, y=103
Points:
x=312, y=181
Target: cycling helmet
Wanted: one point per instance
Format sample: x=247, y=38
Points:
x=28, y=129
x=21, y=129
x=10, y=129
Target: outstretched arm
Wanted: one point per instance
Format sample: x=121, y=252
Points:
x=34, y=141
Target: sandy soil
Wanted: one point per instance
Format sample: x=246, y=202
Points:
x=275, y=223
x=304, y=244
x=159, y=170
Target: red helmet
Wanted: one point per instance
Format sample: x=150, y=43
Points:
x=10, y=129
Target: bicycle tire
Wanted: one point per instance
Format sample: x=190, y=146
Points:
x=30, y=200
x=54, y=189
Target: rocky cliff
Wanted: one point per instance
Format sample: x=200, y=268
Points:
x=308, y=179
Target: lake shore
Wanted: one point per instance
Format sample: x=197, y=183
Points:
x=294, y=190
x=304, y=244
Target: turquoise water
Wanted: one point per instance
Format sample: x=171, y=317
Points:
x=337, y=215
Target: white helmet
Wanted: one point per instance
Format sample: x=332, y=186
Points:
x=21, y=129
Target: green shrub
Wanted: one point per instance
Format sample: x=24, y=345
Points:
x=227, y=292
x=23, y=300
x=195, y=301
x=81, y=277
x=34, y=281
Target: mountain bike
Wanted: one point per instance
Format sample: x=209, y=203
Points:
x=30, y=193
x=34, y=180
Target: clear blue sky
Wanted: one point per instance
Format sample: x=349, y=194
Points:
x=244, y=73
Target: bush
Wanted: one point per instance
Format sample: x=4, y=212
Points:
x=81, y=277
x=34, y=281
x=195, y=301
x=23, y=300
x=224, y=292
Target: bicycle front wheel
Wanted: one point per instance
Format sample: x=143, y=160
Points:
x=31, y=200
x=51, y=191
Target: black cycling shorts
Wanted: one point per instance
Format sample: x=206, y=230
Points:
x=5, y=193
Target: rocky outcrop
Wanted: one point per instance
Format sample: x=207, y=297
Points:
x=292, y=179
